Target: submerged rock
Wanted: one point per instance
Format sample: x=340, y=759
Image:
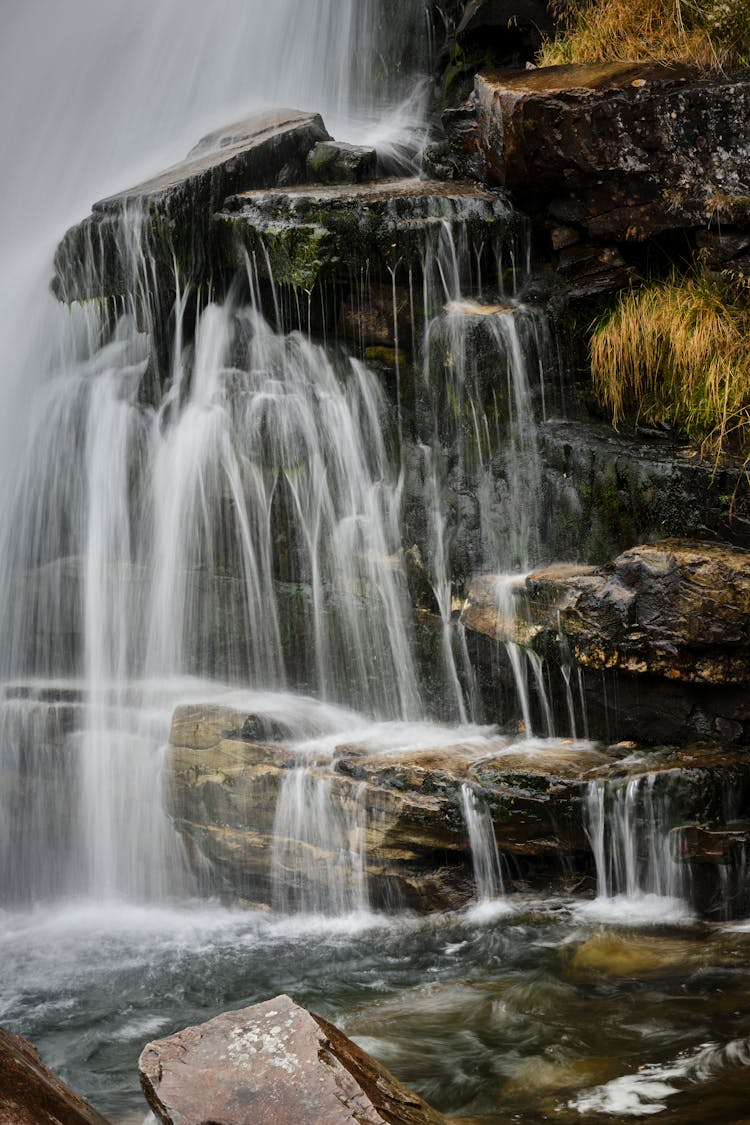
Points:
x=97, y=259
x=32, y=1094
x=275, y=1063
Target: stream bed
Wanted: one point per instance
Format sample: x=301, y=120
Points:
x=516, y=1010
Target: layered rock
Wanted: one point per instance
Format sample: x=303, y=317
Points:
x=672, y=618
x=621, y=151
x=305, y=234
x=32, y=1094
x=399, y=811
x=96, y=258
x=277, y=1063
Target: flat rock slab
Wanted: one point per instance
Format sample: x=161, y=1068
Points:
x=305, y=233
x=621, y=150
x=262, y=150
x=274, y=1063
x=32, y=1094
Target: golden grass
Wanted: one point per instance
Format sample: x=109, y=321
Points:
x=679, y=352
x=711, y=34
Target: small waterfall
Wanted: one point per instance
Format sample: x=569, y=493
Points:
x=317, y=862
x=488, y=875
x=628, y=824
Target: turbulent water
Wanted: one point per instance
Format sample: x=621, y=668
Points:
x=237, y=537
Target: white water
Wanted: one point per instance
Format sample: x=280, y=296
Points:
x=488, y=875
x=628, y=824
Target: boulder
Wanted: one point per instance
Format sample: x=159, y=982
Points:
x=667, y=622
x=275, y=1063
x=32, y=1094
x=96, y=257
x=621, y=150
x=335, y=162
x=675, y=608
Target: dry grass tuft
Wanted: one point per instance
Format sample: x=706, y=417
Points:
x=679, y=352
x=711, y=34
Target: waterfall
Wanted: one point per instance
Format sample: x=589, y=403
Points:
x=194, y=495
x=488, y=875
x=317, y=863
x=628, y=824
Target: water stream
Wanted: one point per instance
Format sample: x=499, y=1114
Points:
x=231, y=520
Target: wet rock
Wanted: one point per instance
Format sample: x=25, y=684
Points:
x=493, y=33
x=621, y=150
x=321, y=233
x=277, y=1063
x=608, y=490
x=377, y=316
x=95, y=259
x=487, y=16
x=400, y=810
x=32, y=1094
x=666, y=622
x=335, y=162
x=675, y=608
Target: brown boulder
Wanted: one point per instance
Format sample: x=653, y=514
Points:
x=31, y=1094
x=274, y=1063
x=676, y=608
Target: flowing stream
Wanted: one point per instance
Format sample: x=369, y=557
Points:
x=241, y=531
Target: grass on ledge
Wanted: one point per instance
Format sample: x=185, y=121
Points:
x=678, y=351
x=711, y=34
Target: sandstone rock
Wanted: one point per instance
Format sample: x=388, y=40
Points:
x=675, y=608
x=399, y=810
x=269, y=148
x=622, y=150
x=667, y=623
x=274, y=1063
x=31, y=1094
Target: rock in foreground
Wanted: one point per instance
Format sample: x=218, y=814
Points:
x=274, y=1063
x=31, y=1094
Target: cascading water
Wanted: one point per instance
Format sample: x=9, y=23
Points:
x=488, y=875
x=628, y=826
x=194, y=501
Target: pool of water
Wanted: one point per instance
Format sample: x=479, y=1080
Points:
x=519, y=1010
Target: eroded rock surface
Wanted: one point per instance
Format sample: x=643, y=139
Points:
x=622, y=151
x=32, y=1094
x=671, y=619
x=274, y=1063
x=676, y=608
x=400, y=811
